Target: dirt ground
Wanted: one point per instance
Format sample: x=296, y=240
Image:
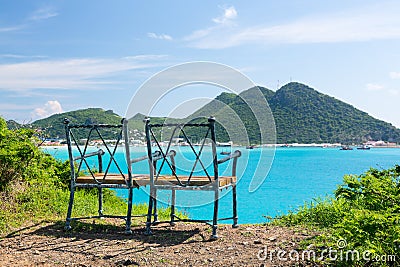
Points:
x=186, y=244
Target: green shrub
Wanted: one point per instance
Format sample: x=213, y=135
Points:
x=365, y=213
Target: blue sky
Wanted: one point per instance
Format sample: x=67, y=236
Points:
x=64, y=55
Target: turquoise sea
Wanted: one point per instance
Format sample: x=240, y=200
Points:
x=296, y=175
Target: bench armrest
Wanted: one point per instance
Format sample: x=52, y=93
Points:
x=234, y=155
x=99, y=152
x=156, y=156
x=135, y=160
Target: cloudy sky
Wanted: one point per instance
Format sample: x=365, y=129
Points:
x=64, y=55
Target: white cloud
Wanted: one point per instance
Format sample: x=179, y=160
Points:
x=11, y=28
x=229, y=14
x=159, y=36
x=374, y=87
x=77, y=73
x=43, y=13
x=394, y=75
x=223, y=24
x=377, y=22
x=39, y=14
x=146, y=57
x=15, y=56
x=51, y=107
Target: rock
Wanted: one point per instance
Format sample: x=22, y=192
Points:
x=272, y=238
x=107, y=257
x=210, y=259
x=257, y=242
x=127, y=262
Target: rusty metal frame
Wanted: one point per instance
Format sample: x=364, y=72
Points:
x=73, y=143
x=213, y=179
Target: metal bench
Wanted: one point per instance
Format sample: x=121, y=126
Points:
x=210, y=180
x=83, y=175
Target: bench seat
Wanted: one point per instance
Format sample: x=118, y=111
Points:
x=144, y=179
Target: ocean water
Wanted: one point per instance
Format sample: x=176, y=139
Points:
x=293, y=176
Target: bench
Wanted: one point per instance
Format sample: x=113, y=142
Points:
x=210, y=180
x=84, y=175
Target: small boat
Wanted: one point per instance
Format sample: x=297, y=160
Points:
x=364, y=147
x=346, y=148
x=227, y=144
x=249, y=147
x=225, y=153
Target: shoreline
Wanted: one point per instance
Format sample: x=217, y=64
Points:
x=295, y=145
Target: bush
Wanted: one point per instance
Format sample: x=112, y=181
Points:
x=365, y=213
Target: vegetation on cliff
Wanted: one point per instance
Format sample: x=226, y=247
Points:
x=364, y=217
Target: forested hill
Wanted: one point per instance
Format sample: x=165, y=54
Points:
x=54, y=126
x=301, y=114
x=304, y=115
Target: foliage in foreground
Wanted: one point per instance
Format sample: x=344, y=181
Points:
x=365, y=213
x=34, y=185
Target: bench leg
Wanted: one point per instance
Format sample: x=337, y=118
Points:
x=69, y=212
x=155, y=214
x=149, y=214
x=173, y=198
x=129, y=213
x=215, y=217
x=100, y=202
x=234, y=208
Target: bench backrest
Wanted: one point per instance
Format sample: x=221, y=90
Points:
x=81, y=137
x=175, y=131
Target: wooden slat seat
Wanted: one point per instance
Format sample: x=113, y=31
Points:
x=194, y=180
x=144, y=180
x=110, y=179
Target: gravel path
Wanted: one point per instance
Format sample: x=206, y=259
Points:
x=46, y=244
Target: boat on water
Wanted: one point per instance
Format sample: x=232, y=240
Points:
x=225, y=153
x=226, y=144
x=250, y=147
x=364, y=147
x=285, y=145
x=346, y=148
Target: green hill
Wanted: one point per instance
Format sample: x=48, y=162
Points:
x=54, y=127
x=12, y=124
x=301, y=115
x=304, y=115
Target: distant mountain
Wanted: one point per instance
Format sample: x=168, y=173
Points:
x=54, y=127
x=232, y=110
x=301, y=115
x=12, y=124
x=304, y=115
